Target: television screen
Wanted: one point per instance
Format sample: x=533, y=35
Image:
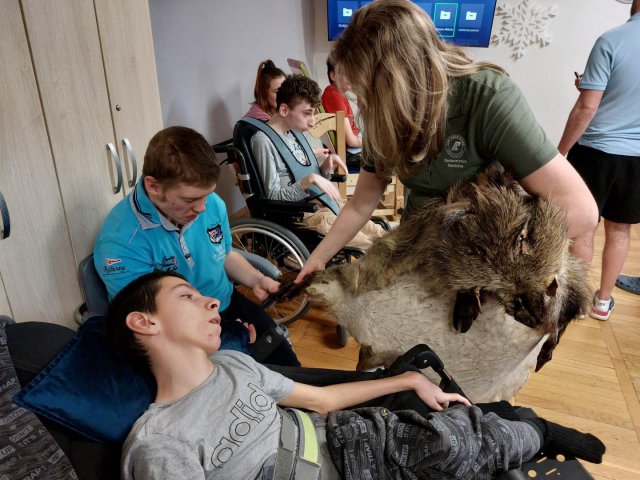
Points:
x=463, y=22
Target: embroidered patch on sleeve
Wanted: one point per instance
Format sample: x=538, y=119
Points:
x=113, y=266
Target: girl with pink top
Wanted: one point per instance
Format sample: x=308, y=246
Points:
x=268, y=81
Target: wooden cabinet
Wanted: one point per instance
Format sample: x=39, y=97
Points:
x=130, y=67
x=36, y=260
x=78, y=78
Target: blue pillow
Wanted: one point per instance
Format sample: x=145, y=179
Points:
x=89, y=388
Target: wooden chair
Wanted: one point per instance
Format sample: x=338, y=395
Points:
x=329, y=127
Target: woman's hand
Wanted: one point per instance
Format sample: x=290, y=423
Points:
x=264, y=287
x=310, y=266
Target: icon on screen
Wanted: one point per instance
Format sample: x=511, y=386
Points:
x=347, y=12
x=471, y=15
x=445, y=15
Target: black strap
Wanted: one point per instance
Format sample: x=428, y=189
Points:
x=298, y=171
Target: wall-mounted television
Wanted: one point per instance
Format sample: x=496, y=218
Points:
x=463, y=22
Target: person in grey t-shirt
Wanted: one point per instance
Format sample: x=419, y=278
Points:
x=215, y=414
x=296, y=101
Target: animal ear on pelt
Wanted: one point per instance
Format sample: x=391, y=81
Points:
x=552, y=288
x=454, y=213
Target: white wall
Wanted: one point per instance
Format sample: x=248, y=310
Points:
x=207, y=53
x=545, y=75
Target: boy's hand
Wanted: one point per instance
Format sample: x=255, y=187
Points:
x=433, y=395
x=252, y=331
x=330, y=164
x=327, y=187
x=321, y=154
x=264, y=287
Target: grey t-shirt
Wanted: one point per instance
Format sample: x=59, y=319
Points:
x=278, y=181
x=200, y=435
x=276, y=177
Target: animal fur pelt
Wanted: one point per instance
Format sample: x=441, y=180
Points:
x=487, y=247
x=490, y=362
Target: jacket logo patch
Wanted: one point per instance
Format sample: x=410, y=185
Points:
x=215, y=234
x=455, y=146
x=111, y=261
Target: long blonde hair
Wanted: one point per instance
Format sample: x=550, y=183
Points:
x=401, y=72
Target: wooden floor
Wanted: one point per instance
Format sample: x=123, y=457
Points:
x=592, y=383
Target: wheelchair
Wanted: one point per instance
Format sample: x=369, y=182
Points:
x=33, y=345
x=270, y=231
x=421, y=357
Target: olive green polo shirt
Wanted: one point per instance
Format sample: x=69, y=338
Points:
x=488, y=120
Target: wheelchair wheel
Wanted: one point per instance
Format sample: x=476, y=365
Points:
x=282, y=248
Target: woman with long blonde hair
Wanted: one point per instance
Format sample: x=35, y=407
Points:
x=433, y=117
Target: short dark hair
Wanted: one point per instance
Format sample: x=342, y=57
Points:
x=267, y=71
x=298, y=88
x=138, y=296
x=181, y=155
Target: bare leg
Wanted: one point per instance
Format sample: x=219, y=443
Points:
x=582, y=247
x=616, y=246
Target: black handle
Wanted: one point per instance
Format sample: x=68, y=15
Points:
x=5, y=230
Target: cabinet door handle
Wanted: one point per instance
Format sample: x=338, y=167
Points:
x=5, y=228
x=113, y=158
x=126, y=147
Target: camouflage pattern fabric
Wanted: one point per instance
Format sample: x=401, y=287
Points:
x=27, y=449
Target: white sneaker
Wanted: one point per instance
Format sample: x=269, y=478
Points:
x=601, y=309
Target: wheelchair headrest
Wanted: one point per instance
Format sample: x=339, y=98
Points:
x=93, y=289
x=242, y=134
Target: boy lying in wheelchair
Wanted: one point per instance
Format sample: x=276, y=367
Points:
x=215, y=413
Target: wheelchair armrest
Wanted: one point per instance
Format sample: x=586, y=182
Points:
x=421, y=356
x=382, y=222
x=263, y=265
x=288, y=209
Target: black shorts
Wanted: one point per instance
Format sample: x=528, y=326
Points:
x=614, y=181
